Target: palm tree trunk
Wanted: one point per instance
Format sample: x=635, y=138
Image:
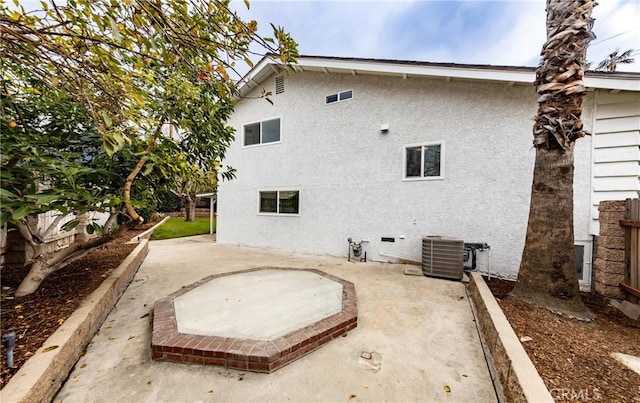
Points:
x=547, y=275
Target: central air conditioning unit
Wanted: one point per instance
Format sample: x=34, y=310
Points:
x=442, y=257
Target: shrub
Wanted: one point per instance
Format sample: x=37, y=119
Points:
x=168, y=202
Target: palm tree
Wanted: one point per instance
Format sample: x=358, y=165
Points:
x=611, y=62
x=547, y=275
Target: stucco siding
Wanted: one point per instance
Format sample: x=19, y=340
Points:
x=350, y=174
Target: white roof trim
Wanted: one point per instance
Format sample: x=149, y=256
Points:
x=511, y=75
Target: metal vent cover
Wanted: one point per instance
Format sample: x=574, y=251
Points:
x=442, y=257
x=279, y=85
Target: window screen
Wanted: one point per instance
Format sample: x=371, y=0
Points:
x=271, y=131
x=268, y=202
x=252, y=134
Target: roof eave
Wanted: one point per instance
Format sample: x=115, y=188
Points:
x=508, y=74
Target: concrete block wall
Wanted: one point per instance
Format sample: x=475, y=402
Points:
x=200, y=212
x=609, y=266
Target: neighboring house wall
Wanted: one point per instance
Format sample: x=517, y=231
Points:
x=350, y=174
x=616, y=149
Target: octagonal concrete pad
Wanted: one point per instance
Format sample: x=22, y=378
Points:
x=259, y=305
x=258, y=319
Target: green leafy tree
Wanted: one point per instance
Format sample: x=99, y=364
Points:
x=88, y=92
x=191, y=181
x=547, y=275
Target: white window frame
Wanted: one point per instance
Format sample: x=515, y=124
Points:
x=278, y=213
x=585, y=282
x=337, y=94
x=423, y=178
x=260, y=122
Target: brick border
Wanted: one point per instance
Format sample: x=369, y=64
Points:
x=514, y=375
x=42, y=375
x=168, y=344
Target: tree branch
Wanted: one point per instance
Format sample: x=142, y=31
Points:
x=54, y=225
x=26, y=233
x=110, y=221
x=138, y=167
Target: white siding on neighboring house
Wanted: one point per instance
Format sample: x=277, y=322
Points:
x=45, y=220
x=616, y=149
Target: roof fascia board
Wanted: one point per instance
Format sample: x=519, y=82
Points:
x=612, y=83
x=368, y=67
x=405, y=70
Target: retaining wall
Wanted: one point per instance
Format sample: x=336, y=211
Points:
x=609, y=266
x=42, y=375
x=511, y=369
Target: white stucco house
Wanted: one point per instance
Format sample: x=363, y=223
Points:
x=390, y=151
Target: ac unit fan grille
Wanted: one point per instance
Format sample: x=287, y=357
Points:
x=442, y=257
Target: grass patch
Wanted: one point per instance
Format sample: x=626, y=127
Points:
x=177, y=227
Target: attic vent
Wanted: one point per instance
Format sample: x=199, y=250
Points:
x=442, y=257
x=279, y=85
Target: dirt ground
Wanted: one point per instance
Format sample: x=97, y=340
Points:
x=37, y=316
x=573, y=358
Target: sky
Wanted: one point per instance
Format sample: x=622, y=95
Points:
x=498, y=32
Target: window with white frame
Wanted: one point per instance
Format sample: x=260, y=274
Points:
x=424, y=161
x=279, y=202
x=583, y=264
x=340, y=96
x=263, y=132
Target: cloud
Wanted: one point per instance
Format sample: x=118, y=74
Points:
x=350, y=28
x=484, y=32
x=518, y=38
x=498, y=32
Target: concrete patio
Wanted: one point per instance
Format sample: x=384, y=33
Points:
x=421, y=328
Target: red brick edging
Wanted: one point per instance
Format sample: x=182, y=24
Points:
x=251, y=355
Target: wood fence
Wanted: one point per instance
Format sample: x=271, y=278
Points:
x=632, y=249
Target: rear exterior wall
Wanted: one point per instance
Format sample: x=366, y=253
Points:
x=350, y=174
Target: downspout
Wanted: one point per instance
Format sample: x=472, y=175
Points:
x=594, y=119
x=592, y=166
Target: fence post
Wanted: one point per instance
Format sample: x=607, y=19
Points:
x=631, y=223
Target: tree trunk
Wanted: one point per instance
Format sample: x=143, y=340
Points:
x=44, y=262
x=37, y=273
x=190, y=208
x=547, y=275
x=132, y=175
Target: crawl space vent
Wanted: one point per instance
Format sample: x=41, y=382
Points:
x=279, y=85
